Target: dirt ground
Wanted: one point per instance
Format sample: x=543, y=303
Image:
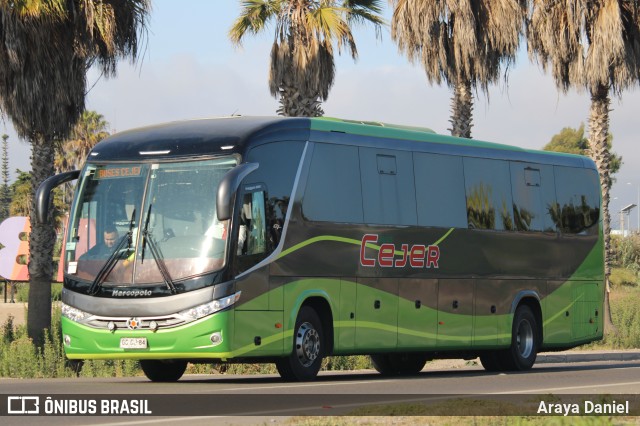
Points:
x=16, y=310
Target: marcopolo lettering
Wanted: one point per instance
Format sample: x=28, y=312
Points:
x=389, y=256
x=131, y=293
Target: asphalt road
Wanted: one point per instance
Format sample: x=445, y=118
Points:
x=210, y=397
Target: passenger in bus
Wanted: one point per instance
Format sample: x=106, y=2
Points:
x=104, y=248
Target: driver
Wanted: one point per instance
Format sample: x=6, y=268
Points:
x=104, y=248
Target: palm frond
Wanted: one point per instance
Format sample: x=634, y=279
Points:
x=254, y=17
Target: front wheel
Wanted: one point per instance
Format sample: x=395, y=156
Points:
x=163, y=371
x=304, y=361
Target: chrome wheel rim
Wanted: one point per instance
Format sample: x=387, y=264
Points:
x=524, y=339
x=307, y=344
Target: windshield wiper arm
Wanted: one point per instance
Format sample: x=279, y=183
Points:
x=115, y=255
x=156, y=253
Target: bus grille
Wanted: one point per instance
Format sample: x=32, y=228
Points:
x=121, y=323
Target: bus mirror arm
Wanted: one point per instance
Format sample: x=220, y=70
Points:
x=228, y=187
x=43, y=194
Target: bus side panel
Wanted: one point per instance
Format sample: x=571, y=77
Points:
x=258, y=333
x=557, y=309
x=344, y=323
x=455, y=313
x=418, y=314
x=377, y=314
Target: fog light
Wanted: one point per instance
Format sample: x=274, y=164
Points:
x=216, y=338
x=153, y=326
x=111, y=326
x=67, y=340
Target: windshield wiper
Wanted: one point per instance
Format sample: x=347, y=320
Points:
x=116, y=255
x=156, y=253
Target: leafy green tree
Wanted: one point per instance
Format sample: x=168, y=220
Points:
x=46, y=48
x=21, y=195
x=595, y=46
x=573, y=141
x=464, y=43
x=302, y=67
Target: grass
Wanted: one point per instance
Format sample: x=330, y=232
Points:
x=489, y=410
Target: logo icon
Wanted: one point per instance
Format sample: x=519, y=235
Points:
x=133, y=323
x=23, y=405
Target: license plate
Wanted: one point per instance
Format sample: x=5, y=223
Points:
x=133, y=343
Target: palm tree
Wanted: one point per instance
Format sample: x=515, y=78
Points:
x=88, y=131
x=5, y=194
x=595, y=46
x=302, y=67
x=46, y=48
x=462, y=42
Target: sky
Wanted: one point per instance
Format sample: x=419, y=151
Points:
x=188, y=69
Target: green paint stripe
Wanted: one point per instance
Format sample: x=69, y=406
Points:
x=444, y=237
x=416, y=333
x=318, y=239
x=348, y=241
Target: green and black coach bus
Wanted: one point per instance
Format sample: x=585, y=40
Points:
x=286, y=240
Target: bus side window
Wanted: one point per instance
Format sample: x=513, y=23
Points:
x=252, y=233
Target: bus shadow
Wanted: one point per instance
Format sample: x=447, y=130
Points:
x=372, y=375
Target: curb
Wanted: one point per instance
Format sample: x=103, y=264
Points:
x=587, y=356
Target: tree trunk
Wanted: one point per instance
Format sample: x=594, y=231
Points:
x=598, y=132
x=461, y=109
x=41, y=242
x=294, y=103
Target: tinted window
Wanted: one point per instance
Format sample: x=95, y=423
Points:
x=440, y=192
x=533, y=196
x=578, y=206
x=388, y=192
x=333, y=192
x=278, y=165
x=488, y=191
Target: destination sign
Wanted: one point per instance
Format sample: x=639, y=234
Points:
x=118, y=172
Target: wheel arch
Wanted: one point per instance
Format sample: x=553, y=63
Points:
x=532, y=300
x=323, y=309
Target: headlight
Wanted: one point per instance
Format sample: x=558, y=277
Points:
x=74, y=314
x=209, y=308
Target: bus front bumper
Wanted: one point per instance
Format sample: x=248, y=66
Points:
x=207, y=338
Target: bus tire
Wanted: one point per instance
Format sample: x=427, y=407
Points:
x=522, y=353
x=305, y=360
x=399, y=364
x=163, y=371
x=408, y=363
x=491, y=361
x=382, y=364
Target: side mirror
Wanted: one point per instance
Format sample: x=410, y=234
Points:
x=43, y=194
x=228, y=187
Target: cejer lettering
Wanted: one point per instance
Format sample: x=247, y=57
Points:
x=389, y=256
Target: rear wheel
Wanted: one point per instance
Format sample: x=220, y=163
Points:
x=163, y=371
x=382, y=364
x=491, y=361
x=304, y=361
x=403, y=363
x=523, y=351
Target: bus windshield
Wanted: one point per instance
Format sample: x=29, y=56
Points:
x=157, y=222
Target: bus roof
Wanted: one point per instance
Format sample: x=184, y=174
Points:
x=224, y=135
